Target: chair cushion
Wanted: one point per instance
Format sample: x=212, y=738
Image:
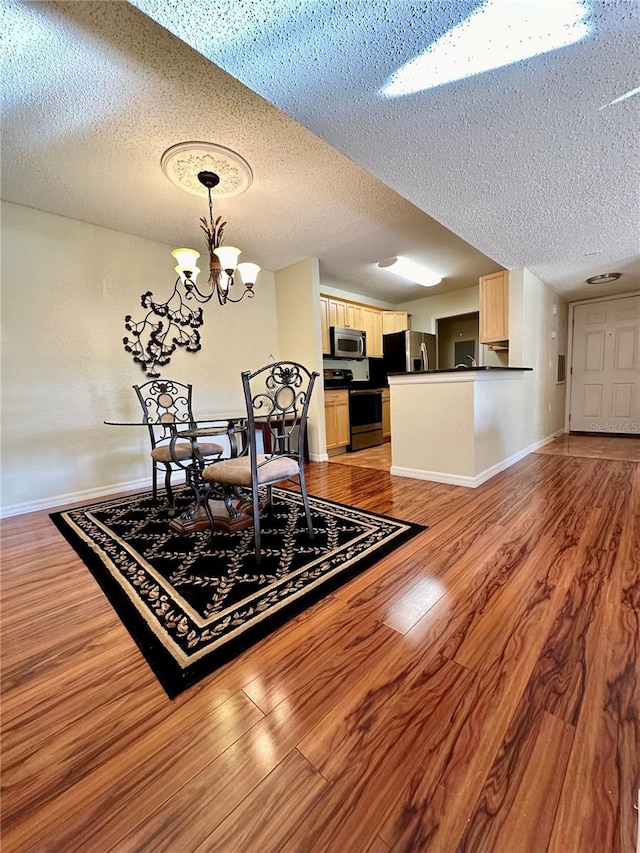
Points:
x=184, y=451
x=237, y=472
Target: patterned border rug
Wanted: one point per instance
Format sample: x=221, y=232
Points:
x=191, y=606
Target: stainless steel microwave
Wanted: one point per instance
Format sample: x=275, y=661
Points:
x=348, y=343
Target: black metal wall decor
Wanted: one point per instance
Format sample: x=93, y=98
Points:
x=175, y=323
x=166, y=325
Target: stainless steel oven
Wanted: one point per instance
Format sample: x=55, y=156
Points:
x=365, y=416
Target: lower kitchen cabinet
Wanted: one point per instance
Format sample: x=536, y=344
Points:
x=386, y=413
x=336, y=418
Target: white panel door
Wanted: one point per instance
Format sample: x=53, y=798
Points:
x=605, y=377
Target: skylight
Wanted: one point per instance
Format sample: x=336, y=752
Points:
x=498, y=33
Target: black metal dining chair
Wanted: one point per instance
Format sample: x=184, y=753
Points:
x=277, y=398
x=167, y=405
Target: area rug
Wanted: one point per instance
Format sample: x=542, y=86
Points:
x=192, y=606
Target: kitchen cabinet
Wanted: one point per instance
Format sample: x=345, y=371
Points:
x=494, y=308
x=343, y=314
x=337, y=312
x=336, y=418
x=324, y=320
x=372, y=324
x=386, y=413
x=353, y=316
x=395, y=321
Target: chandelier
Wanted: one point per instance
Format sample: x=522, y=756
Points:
x=175, y=322
x=223, y=260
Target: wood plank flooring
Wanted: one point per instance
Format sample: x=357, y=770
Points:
x=378, y=457
x=476, y=690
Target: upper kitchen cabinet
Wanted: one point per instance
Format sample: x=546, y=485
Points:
x=324, y=319
x=353, y=316
x=338, y=312
x=494, y=308
x=395, y=321
x=344, y=314
x=372, y=324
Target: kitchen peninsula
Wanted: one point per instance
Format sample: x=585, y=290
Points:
x=461, y=426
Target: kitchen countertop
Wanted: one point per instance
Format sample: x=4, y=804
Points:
x=458, y=370
x=355, y=386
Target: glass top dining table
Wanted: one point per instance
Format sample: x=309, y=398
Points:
x=228, y=424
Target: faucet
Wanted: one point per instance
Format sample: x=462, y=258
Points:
x=472, y=360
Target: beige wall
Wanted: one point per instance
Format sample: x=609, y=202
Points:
x=298, y=312
x=424, y=312
x=66, y=288
x=432, y=428
x=330, y=287
x=532, y=303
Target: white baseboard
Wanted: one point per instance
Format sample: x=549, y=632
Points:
x=432, y=476
x=479, y=479
x=74, y=497
x=413, y=473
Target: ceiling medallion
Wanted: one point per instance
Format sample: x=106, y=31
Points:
x=605, y=278
x=183, y=162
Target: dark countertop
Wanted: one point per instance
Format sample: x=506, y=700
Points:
x=356, y=386
x=458, y=370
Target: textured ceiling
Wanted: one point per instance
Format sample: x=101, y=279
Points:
x=520, y=162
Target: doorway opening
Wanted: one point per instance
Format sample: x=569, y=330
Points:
x=458, y=339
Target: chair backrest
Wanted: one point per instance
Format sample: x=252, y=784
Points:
x=164, y=404
x=277, y=397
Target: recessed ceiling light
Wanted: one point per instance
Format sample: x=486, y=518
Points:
x=411, y=271
x=605, y=278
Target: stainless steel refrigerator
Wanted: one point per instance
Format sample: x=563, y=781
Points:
x=409, y=352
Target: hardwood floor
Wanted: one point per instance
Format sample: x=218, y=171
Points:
x=378, y=457
x=626, y=448
x=476, y=690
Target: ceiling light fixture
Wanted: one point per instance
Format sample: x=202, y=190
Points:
x=605, y=278
x=411, y=271
x=204, y=168
x=195, y=167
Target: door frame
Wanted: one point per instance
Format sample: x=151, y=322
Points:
x=572, y=305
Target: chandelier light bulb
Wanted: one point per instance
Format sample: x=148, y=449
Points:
x=188, y=273
x=228, y=257
x=249, y=273
x=187, y=258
